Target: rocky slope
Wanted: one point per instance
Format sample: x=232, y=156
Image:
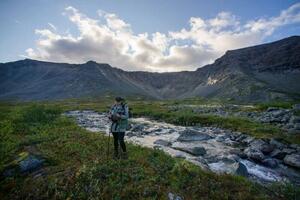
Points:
x=259, y=73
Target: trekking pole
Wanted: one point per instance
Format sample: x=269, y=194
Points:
x=108, y=144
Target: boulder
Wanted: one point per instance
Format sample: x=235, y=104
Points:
x=23, y=163
x=241, y=169
x=162, y=142
x=254, y=154
x=277, y=144
x=196, y=151
x=267, y=148
x=270, y=162
x=247, y=140
x=292, y=160
x=257, y=144
x=30, y=163
x=192, y=135
x=278, y=154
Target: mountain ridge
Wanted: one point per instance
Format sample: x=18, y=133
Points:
x=257, y=73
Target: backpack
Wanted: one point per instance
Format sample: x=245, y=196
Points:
x=129, y=110
x=129, y=126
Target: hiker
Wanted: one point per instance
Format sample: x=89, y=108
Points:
x=119, y=114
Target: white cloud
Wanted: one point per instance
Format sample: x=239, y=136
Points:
x=110, y=39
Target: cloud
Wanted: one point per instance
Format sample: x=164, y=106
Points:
x=109, y=39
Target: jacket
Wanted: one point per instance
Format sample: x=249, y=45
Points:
x=122, y=123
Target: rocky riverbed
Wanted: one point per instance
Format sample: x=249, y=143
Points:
x=215, y=149
x=287, y=119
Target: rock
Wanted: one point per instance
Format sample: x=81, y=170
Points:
x=201, y=160
x=242, y=155
x=277, y=144
x=172, y=196
x=137, y=128
x=24, y=162
x=192, y=135
x=267, y=148
x=163, y=142
x=278, y=154
x=293, y=131
x=196, y=151
x=254, y=154
x=247, y=140
x=257, y=144
x=234, y=157
x=296, y=107
x=289, y=126
x=228, y=160
x=235, y=151
x=240, y=137
x=30, y=163
x=179, y=155
x=278, y=113
x=297, y=126
x=241, y=169
x=288, y=150
x=295, y=146
x=229, y=142
x=271, y=109
x=221, y=138
x=295, y=119
x=270, y=162
x=292, y=160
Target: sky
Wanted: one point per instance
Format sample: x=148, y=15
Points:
x=144, y=35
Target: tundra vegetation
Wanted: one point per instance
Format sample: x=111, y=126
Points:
x=75, y=165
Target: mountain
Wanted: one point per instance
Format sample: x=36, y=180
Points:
x=258, y=73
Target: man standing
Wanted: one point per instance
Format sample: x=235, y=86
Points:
x=119, y=114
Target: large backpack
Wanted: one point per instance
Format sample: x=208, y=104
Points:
x=129, y=110
x=129, y=126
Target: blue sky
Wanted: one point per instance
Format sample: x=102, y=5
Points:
x=169, y=35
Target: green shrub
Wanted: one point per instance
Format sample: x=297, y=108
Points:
x=31, y=119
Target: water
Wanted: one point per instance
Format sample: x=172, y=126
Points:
x=221, y=153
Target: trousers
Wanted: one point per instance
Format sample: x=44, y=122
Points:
x=119, y=139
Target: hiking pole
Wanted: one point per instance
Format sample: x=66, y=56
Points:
x=108, y=144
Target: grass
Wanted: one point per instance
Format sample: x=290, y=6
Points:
x=77, y=167
x=276, y=104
